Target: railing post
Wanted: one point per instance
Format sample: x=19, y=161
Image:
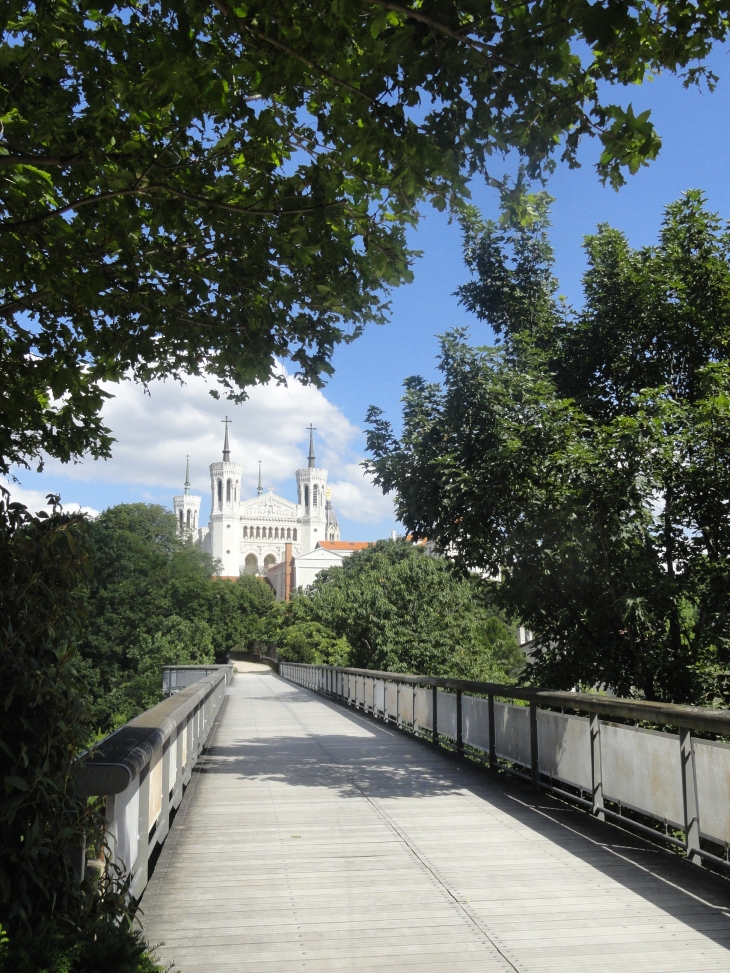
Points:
x=415, y=697
x=459, y=735
x=492, y=734
x=689, y=795
x=164, y=826
x=596, y=772
x=397, y=704
x=139, y=879
x=534, y=757
x=435, y=721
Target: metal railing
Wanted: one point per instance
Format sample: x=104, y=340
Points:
x=175, y=678
x=642, y=778
x=143, y=768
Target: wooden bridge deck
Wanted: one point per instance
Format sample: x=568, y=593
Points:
x=313, y=838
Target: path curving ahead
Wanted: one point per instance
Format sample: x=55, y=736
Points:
x=313, y=838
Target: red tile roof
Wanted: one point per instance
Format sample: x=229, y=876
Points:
x=344, y=545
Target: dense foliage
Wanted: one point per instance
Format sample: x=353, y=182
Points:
x=194, y=187
x=154, y=602
x=44, y=718
x=391, y=607
x=48, y=923
x=588, y=458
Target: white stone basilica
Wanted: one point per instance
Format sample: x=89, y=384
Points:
x=250, y=536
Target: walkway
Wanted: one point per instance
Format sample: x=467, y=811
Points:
x=313, y=838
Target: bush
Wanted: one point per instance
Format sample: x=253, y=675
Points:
x=393, y=608
x=48, y=923
x=312, y=643
x=45, y=716
x=98, y=946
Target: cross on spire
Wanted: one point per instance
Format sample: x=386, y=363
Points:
x=311, y=445
x=226, y=448
x=259, y=488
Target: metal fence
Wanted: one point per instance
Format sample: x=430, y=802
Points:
x=143, y=768
x=644, y=778
x=175, y=678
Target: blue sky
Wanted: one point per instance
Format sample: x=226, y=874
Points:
x=155, y=431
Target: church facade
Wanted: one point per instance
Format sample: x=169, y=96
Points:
x=250, y=536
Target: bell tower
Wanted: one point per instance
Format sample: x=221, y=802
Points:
x=187, y=508
x=312, y=500
x=225, y=485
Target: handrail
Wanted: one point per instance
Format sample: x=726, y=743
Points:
x=143, y=767
x=668, y=714
x=114, y=762
x=641, y=778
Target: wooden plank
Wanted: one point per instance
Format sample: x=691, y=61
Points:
x=314, y=838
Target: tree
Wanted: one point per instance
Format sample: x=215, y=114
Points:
x=195, y=188
x=45, y=714
x=587, y=458
x=154, y=602
x=402, y=611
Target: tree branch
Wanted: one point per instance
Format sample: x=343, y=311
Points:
x=257, y=35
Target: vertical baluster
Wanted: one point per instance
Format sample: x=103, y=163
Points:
x=596, y=771
x=435, y=739
x=492, y=734
x=689, y=795
x=534, y=756
x=459, y=735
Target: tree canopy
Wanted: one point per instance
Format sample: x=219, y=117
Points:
x=154, y=603
x=206, y=188
x=588, y=457
x=392, y=607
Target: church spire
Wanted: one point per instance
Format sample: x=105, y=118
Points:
x=259, y=488
x=226, y=448
x=187, y=475
x=311, y=463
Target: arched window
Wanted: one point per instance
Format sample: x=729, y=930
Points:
x=299, y=494
x=258, y=532
x=269, y=561
x=195, y=518
x=235, y=491
x=306, y=495
x=276, y=533
x=271, y=533
x=228, y=491
x=188, y=517
x=288, y=533
x=220, y=491
x=314, y=495
x=294, y=534
x=245, y=531
x=251, y=565
x=181, y=520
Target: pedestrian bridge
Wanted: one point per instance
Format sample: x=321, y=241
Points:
x=309, y=834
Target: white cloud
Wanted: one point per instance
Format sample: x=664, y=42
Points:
x=155, y=430
x=36, y=500
x=355, y=497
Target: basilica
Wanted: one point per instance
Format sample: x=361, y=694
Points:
x=251, y=536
